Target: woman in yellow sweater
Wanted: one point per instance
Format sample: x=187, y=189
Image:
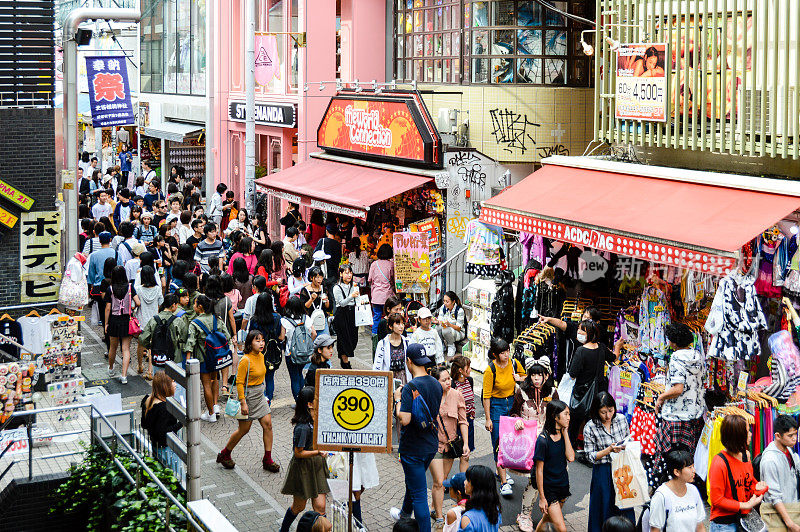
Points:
x=250, y=390
x=499, y=383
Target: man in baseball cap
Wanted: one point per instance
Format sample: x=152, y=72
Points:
x=417, y=408
x=427, y=336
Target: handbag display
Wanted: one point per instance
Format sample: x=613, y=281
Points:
x=455, y=447
x=133, y=326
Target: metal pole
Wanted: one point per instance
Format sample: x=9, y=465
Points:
x=69, y=186
x=211, y=127
x=350, y=494
x=250, y=112
x=193, y=395
x=30, y=447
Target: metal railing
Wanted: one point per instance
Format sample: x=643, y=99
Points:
x=34, y=99
x=450, y=274
x=339, y=518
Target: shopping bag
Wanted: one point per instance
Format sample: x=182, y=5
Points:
x=516, y=447
x=363, y=311
x=337, y=465
x=565, y=387
x=628, y=476
x=94, y=319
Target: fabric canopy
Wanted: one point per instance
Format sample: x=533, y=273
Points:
x=338, y=187
x=689, y=225
x=173, y=131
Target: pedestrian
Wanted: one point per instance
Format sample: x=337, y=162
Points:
x=390, y=354
x=93, y=242
x=280, y=264
x=460, y=371
x=259, y=287
x=320, y=359
x=312, y=521
x=102, y=207
x=246, y=250
x=570, y=329
x=618, y=523
x=331, y=246
x=240, y=223
x=552, y=453
x=316, y=228
x=779, y=470
x=163, y=334
x=297, y=279
x=676, y=504
x=157, y=419
x=148, y=172
x=418, y=439
x=316, y=301
x=682, y=404
x=268, y=322
x=125, y=246
x=306, y=477
x=209, y=251
x=391, y=306
x=261, y=234
x=290, y=253
x=408, y=524
x=456, y=490
x=242, y=281
x=359, y=262
x=223, y=310
x=381, y=273
x=125, y=160
x=483, y=505
x=122, y=211
x=586, y=368
x=232, y=293
x=146, y=233
x=452, y=422
x=199, y=328
x=345, y=293
x=499, y=384
x=452, y=322
x=605, y=433
x=96, y=265
x=294, y=317
x=425, y=335
x=731, y=502
x=292, y=215
x=253, y=403
x=530, y=401
x=151, y=297
x=120, y=302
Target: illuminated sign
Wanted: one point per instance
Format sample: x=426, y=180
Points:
x=390, y=127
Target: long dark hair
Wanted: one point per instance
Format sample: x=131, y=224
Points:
x=301, y=413
x=147, y=259
x=119, y=282
x=266, y=260
x=108, y=267
x=277, y=255
x=186, y=254
x=355, y=244
x=246, y=245
x=240, y=271
x=293, y=308
x=148, y=277
x=248, y=342
x=214, y=288
x=263, y=315
x=601, y=400
x=484, y=495
x=496, y=346
x=551, y=412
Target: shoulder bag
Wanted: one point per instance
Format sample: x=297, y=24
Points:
x=750, y=522
x=455, y=447
x=233, y=408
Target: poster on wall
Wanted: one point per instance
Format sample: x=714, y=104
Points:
x=109, y=91
x=40, y=257
x=641, y=89
x=429, y=226
x=412, y=266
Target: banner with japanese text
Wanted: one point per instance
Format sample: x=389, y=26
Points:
x=109, y=91
x=412, y=265
x=40, y=256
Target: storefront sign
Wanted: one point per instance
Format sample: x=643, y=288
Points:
x=109, y=92
x=17, y=438
x=7, y=219
x=354, y=411
x=412, y=265
x=294, y=198
x=429, y=226
x=267, y=114
x=40, y=256
x=641, y=90
x=338, y=209
x=392, y=127
x=15, y=196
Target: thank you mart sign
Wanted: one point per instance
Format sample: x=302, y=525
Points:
x=267, y=114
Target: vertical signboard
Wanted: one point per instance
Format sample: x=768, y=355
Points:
x=412, y=265
x=40, y=256
x=109, y=91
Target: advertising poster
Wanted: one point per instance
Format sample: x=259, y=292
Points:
x=109, y=91
x=641, y=90
x=412, y=265
x=429, y=226
x=40, y=257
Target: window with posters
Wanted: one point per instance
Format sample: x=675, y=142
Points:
x=641, y=90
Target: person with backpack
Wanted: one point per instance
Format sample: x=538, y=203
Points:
x=121, y=300
x=676, y=504
x=162, y=334
x=146, y=232
x=207, y=341
x=151, y=297
x=734, y=489
x=499, y=384
x=417, y=409
x=345, y=293
x=268, y=322
x=778, y=467
x=250, y=384
x=452, y=322
x=425, y=335
x=316, y=301
x=299, y=342
x=552, y=454
x=390, y=353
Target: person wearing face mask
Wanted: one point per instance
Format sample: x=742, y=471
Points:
x=586, y=367
x=570, y=329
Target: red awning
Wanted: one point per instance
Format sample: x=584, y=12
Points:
x=338, y=187
x=694, y=226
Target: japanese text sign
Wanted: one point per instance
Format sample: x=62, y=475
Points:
x=641, y=89
x=7, y=219
x=109, y=91
x=15, y=196
x=430, y=226
x=412, y=265
x=40, y=256
x=353, y=411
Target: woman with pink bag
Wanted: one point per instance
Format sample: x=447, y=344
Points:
x=121, y=300
x=530, y=398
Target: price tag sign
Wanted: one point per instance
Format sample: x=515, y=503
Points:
x=742, y=384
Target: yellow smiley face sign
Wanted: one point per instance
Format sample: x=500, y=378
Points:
x=353, y=409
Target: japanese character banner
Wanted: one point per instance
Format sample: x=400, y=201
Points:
x=412, y=265
x=109, y=91
x=40, y=256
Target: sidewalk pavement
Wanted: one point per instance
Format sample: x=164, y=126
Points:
x=250, y=497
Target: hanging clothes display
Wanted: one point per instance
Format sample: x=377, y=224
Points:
x=768, y=246
x=791, y=283
x=534, y=247
x=654, y=316
x=503, y=307
x=10, y=329
x=735, y=319
x=484, y=248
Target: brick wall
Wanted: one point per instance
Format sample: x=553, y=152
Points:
x=27, y=162
x=26, y=506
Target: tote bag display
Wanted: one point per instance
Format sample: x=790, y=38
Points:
x=516, y=447
x=628, y=476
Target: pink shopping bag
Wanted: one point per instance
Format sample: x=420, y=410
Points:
x=517, y=446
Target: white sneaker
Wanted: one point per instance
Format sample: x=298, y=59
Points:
x=209, y=418
x=505, y=490
x=111, y=373
x=509, y=480
x=451, y=351
x=396, y=513
x=216, y=409
x=123, y=379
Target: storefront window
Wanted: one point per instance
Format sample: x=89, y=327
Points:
x=152, y=47
x=505, y=41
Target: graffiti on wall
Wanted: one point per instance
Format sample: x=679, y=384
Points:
x=473, y=176
x=457, y=225
x=512, y=130
x=547, y=151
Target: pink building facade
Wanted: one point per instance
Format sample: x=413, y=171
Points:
x=345, y=39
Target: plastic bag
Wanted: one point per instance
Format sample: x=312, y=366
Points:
x=363, y=311
x=94, y=319
x=565, y=388
x=516, y=447
x=630, y=480
x=337, y=465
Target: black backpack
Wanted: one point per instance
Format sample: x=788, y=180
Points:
x=273, y=350
x=161, y=347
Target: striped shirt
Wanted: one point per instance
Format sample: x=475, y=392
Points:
x=206, y=252
x=469, y=396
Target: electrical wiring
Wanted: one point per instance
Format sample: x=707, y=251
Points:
x=576, y=18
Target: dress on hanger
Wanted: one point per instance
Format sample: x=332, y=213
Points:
x=735, y=319
x=484, y=243
x=654, y=316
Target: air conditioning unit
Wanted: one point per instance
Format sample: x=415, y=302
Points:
x=447, y=121
x=773, y=97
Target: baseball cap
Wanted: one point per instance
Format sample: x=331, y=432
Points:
x=332, y=229
x=323, y=340
x=455, y=482
x=416, y=352
x=423, y=313
x=320, y=255
x=105, y=237
x=306, y=522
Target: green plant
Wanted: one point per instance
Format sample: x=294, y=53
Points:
x=100, y=493
x=261, y=171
